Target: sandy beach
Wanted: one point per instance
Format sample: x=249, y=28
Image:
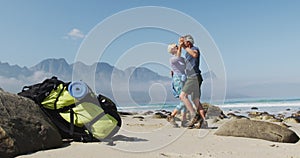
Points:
x=145, y=136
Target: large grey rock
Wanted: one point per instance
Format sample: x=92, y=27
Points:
x=212, y=111
x=23, y=127
x=257, y=129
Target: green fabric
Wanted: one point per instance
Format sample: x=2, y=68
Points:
x=65, y=99
x=86, y=112
x=83, y=113
x=104, y=126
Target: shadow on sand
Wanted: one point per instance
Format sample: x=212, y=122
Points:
x=127, y=139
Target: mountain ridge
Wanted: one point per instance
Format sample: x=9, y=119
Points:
x=136, y=82
x=14, y=77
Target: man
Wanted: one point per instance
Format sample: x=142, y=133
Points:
x=194, y=80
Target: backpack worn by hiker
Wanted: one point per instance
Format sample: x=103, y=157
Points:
x=76, y=111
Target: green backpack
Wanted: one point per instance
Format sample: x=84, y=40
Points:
x=87, y=119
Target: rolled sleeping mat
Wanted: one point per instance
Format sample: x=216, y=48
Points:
x=78, y=89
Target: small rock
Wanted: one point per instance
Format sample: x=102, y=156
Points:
x=291, y=120
x=160, y=115
x=254, y=108
x=126, y=113
x=234, y=116
x=141, y=118
x=148, y=113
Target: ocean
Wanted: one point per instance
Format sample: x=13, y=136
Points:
x=272, y=106
x=242, y=106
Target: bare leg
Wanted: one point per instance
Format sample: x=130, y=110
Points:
x=184, y=116
x=183, y=97
x=199, y=108
x=174, y=112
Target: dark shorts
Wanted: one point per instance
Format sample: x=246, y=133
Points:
x=192, y=86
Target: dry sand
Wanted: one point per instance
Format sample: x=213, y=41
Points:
x=150, y=138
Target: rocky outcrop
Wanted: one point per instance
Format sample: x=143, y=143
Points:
x=257, y=129
x=23, y=127
x=213, y=112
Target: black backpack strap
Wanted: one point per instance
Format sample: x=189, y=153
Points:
x=109, y=107
x=71, y=122
x=78, y=133
x=88, y=125
x=60, y=92
x=38, y=92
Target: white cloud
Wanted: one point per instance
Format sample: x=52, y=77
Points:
x=75, y=34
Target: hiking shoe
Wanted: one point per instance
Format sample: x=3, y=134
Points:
x=172, y=122
x=204, y=125
x=171, y=119
x=175, y=125
x=194, y=120
x=199, y=123
x=184, y=123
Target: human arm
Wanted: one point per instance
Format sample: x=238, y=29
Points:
x=178, y=53
x=193, y=53
x=180, y=44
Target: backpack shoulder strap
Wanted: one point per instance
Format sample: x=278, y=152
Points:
x=38, y=92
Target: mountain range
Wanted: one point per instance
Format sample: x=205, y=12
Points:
x=134, y=84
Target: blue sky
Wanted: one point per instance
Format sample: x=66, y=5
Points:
x=259, y=40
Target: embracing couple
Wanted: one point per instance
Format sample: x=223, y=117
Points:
x=186, y=81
